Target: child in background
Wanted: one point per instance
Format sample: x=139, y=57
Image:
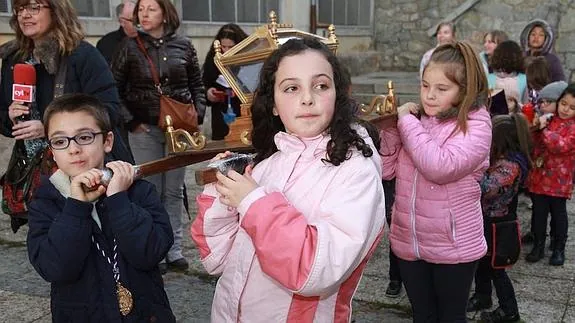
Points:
x=99, y=246
x=292, y=236
x=537, y=40
x=394, y=287
x=490, y=41
x=509, y=164
x=538, y=75
x=508, y=72
x=548, y=97
x=445, y=33
x=437, y=161
x=547, y=106
x=550, y=182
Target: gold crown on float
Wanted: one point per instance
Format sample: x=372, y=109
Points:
x=241, y=65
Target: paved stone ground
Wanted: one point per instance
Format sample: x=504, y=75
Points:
x=545, y=293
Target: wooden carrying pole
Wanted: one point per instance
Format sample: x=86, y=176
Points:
x=382, y=111
x=190, y=157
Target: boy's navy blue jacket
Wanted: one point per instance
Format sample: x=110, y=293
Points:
x=61, y=250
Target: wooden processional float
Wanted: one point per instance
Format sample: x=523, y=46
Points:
x=240, y=67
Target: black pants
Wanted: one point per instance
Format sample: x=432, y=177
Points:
x=219, y=127
x=542, y=206
x=552, y=224
x=389, y=191
x=437, y=293
x=485, y=274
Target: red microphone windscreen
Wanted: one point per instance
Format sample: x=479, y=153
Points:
x=24, y=74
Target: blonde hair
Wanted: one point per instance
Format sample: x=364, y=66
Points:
x=65, y=29
x=462, y=67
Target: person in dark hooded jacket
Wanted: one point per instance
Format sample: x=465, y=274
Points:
x=537, y=40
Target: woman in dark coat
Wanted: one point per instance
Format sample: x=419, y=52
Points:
x=175, y=62
x=229, y=35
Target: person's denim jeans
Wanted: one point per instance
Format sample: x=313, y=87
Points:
x=148, y=146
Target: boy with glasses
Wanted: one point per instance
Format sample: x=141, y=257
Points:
x=98, y=245
x=549, y=95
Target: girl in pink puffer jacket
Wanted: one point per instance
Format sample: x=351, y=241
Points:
x=437, y=160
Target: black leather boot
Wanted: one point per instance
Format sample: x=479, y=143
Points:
x=499, y=316
x=479, y=302
x=558, y=256
x=527, y=238
x=538, y=251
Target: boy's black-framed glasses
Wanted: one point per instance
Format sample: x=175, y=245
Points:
x=82, y=139
x=546, y=101
x=31, y=8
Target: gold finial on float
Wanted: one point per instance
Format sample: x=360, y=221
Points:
x=179, y=140
x=217, y=47
x=382, y=104
x=273, y=25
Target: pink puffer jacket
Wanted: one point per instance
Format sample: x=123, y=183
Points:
x=295, y=248
x=437, y=210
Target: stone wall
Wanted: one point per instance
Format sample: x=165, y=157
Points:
x=401, y=27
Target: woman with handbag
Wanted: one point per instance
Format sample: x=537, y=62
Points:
x=508, y=169
x=151, y=69
x=49, y=37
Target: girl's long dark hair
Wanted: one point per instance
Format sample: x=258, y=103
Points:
x=210, y=71
x=266, y=125
x=570, y=89
x=228, y=31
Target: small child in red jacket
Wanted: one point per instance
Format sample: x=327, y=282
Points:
x=550, y=182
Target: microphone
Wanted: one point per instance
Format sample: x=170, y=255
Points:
x=24, y=87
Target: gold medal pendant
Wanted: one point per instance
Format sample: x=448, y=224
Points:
x=124, y=299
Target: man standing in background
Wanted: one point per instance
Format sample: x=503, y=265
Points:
x=107, y=45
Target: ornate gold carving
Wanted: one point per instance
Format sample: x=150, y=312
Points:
x=382, y=104
x=245, y=137
x=179, y=140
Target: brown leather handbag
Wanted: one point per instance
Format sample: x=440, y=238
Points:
x=184, y=115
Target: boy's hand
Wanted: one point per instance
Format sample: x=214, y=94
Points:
x=543, y=121
x=122, y=179
x=91, y=180
x=235, y=187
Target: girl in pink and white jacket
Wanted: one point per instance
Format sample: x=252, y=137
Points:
x=291, y=237
x=438, y=160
